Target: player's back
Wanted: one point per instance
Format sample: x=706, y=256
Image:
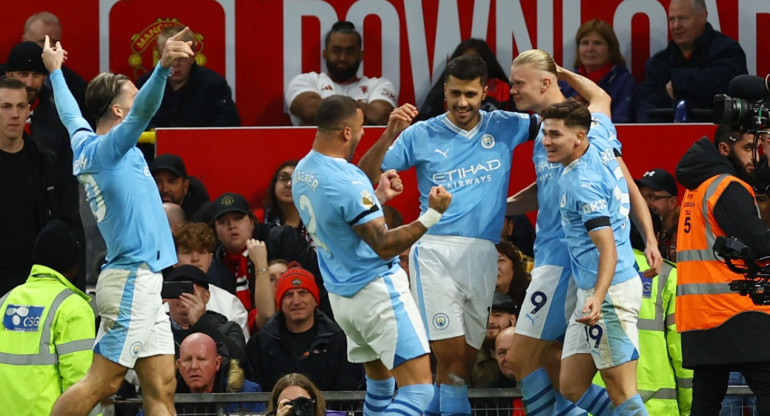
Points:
x=333, y=196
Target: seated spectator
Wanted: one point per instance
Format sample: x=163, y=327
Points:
x=697, y=63
x=486, y=373
x=202, y=369
x=246, y=273
x=498, y=86
x=512, y=277
x=175, y=215
x=195, y=245
x=660, y=192
x=279, y=206
x=292, y=386
x=189, y=315
x=176, y=187
x=342, y=54
x=502, y=345
x=195, y=96
x=301, y=338
x=276, y=268
x=598, y=58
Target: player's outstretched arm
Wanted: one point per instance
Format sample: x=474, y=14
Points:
x=389, y=243
x=68, y=109
x=598, y=99
x=399, y=119
x=523, y=201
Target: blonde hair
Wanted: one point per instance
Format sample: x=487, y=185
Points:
x=539, y=58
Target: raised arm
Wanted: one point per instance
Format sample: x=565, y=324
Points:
x=598, y=99
x=371, y=161
x=389, y=243
x=66, y=105
x=523, y=201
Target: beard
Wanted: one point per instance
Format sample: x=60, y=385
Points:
x=750, y=177
x=342, y=74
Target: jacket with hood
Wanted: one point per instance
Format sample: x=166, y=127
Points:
x=745, y=337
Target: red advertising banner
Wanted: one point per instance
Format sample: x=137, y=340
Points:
x=260, y=45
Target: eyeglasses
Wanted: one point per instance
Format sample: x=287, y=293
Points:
x=655, y=197
x=283, y=177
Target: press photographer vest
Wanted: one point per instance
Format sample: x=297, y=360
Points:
x=703, y=296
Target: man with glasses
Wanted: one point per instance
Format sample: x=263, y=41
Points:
x=660, y=191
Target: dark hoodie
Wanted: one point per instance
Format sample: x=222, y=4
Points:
x=745, y=337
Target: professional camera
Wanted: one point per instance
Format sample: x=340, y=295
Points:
x=746, y=106
x=302, y=406
x=756, y=285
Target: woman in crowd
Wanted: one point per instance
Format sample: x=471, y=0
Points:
x=598, y=58
x=498, y=87
x=293, y=386
x=512, y=277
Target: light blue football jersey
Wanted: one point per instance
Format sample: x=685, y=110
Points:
x=333, y=196
x=119, y=187
x=592, y=187
x=550, y=245
x=473, y=165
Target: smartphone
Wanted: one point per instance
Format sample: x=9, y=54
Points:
x=172, y=290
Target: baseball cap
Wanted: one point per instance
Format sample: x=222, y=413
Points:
x=503, y=302
x=659, y=180
x=230, y=202
x=191, y=273
x=169, y=162
x=295, y=277
x=26, y=56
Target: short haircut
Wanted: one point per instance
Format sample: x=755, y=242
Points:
x=725, y=133
x=467, y=68
x=696, y=4
x=605, y=31
x=334, y=110
x=101, y=92
x=539, y=58
x=46, y=17
x=195, y=236
x=170, y=31
x=12, y=84
x=572, y=112
x=346, y=28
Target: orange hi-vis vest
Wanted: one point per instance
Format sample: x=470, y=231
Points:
x=703, y=296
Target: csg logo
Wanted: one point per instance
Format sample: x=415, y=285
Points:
x=22, y=318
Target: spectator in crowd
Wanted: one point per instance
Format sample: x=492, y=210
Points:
x=519, y=231
x=175, y=215
x=719, y=201
x=486, y=372
x=697, y=63
x=276, y=267
x=301, y=338
x=279, y=207
x=241, y=238
x=598, y=58
x=660, y=191
x=290, y=387
x=33, y=189
x=195, y=245
x=195, y=96
x=189, y=314
x=502, y=344
x=342, y=54
x=498, y=87
x=204, y=369
x=512, y=276
x=47, y=329
x=175, y=186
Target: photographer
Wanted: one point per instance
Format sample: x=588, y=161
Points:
x=722, y=331
x=295, y=395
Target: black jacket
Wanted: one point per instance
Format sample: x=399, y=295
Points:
x=270, y=356
x=227, y=333
x=204, y=101
x=195, y=200
x=715, y=61
x=55, y=201
x=744, y=337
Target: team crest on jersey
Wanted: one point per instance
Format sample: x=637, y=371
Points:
x=22, y=318
x=367, y=200
x=487, y=141
x=440, y=321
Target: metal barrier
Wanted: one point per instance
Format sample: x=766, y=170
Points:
x=484, y=402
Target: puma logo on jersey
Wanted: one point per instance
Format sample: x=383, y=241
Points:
x=444, y=153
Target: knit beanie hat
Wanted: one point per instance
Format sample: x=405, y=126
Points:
x=295, y=277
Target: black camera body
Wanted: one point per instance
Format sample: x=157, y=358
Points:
x=302, y=406
x=743, y=114
x=756, y=284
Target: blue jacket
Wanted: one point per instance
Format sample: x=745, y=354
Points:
x=715, y=61
x=620, y=85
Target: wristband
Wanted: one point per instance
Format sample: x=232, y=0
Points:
x=430, y=218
